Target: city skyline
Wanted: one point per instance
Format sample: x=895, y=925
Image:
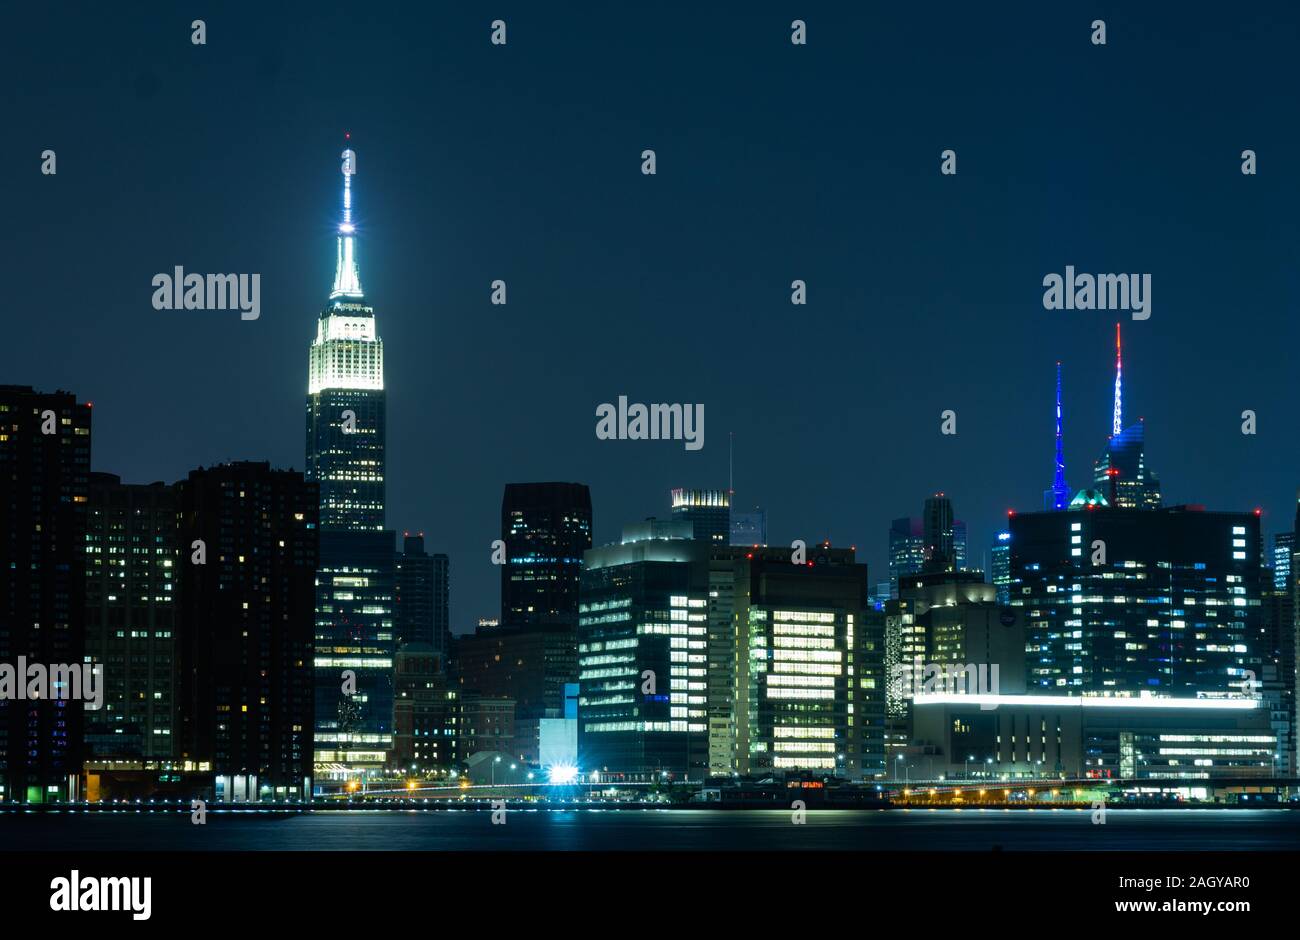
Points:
x=597, y=261
x=609, y=438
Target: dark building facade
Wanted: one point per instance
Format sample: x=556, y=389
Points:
x=424, y=711
x=530, y=665
x=44, y=478
x=1128, y=602
x=749, y=528
x=545, y=527
x=940, y=548
x=486, y=723
x=133, y=557
x=422, y=611
x=246, y=621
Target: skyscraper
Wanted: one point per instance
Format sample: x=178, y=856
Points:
x=345, y=394
x=545, y=527
x=1121, y=474
x=45, y=465
x=906, y=549
x=423, y=614
x=247, y=589
x=708, y=510
x=642, y=658
x=940, y=549
x=355, y=581
x=132, y=595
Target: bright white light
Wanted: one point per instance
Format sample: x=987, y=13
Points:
x=562, y=773
x=347, y=228
x=1061, y=701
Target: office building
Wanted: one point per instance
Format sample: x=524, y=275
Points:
x=709, y=511
x=906, y=549
x=642, y=656
x=810, y=683
x=546, y=528
x=1121, y=602
x=1197, y=745
x=355, y=645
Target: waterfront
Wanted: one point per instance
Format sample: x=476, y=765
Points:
x=677, y=830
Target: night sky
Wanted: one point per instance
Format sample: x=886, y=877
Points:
x=775, y=162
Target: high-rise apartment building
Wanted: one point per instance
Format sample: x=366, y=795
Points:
x=133, y=556
x=247, y=610
x=44, y=477
x=422, y=612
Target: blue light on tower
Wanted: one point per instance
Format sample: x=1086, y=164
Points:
x=1058, y=497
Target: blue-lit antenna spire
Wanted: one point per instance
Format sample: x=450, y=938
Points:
x=347, y=279
x=1119, y=371
x=1060, y=492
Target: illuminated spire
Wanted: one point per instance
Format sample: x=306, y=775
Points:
x=1119, y=409
x=1060, y=492
x=347, y=280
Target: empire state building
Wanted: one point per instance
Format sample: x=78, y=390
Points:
x=355, y=577
x=345, y=393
